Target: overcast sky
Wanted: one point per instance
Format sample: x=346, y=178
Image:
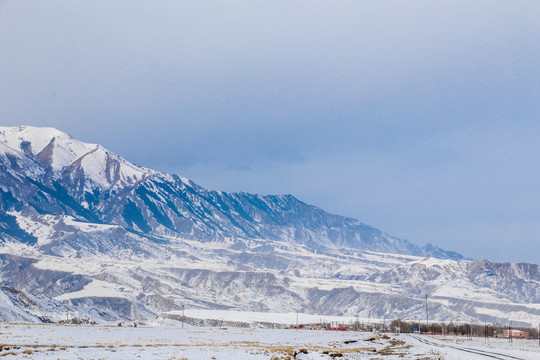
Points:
x=421, y=118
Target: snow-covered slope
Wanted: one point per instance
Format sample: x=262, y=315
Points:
x=57, y=175
x=16, y=305
x=83, y=226
x=142, y=281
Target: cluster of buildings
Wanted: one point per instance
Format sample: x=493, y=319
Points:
x=516, y=334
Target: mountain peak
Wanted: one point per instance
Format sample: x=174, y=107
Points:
x=65, y=157
x=18, y=137
x=53, y=148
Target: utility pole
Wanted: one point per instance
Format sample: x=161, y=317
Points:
x=183, y=318
x=427, y=315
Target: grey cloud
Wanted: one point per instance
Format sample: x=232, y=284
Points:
x=371, y=110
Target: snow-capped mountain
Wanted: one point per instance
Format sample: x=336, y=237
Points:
x=82, y=226
x=48, y=172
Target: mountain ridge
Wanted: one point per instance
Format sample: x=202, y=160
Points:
x=91, y=183
x=84, y=230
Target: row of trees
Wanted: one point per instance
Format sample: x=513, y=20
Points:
x=462, y=329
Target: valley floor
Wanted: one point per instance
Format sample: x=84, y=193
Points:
x=43, y=341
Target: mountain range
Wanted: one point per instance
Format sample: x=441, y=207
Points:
x=92, y=232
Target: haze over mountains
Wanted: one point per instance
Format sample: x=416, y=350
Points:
x=84, y=228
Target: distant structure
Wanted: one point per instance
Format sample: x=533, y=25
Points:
x=516, y=334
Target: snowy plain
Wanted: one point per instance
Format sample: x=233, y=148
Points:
x=170, y=341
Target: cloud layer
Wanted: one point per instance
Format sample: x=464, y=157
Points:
x=417, y=117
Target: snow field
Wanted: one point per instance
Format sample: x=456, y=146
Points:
x=43, y=341
x=270, y=317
